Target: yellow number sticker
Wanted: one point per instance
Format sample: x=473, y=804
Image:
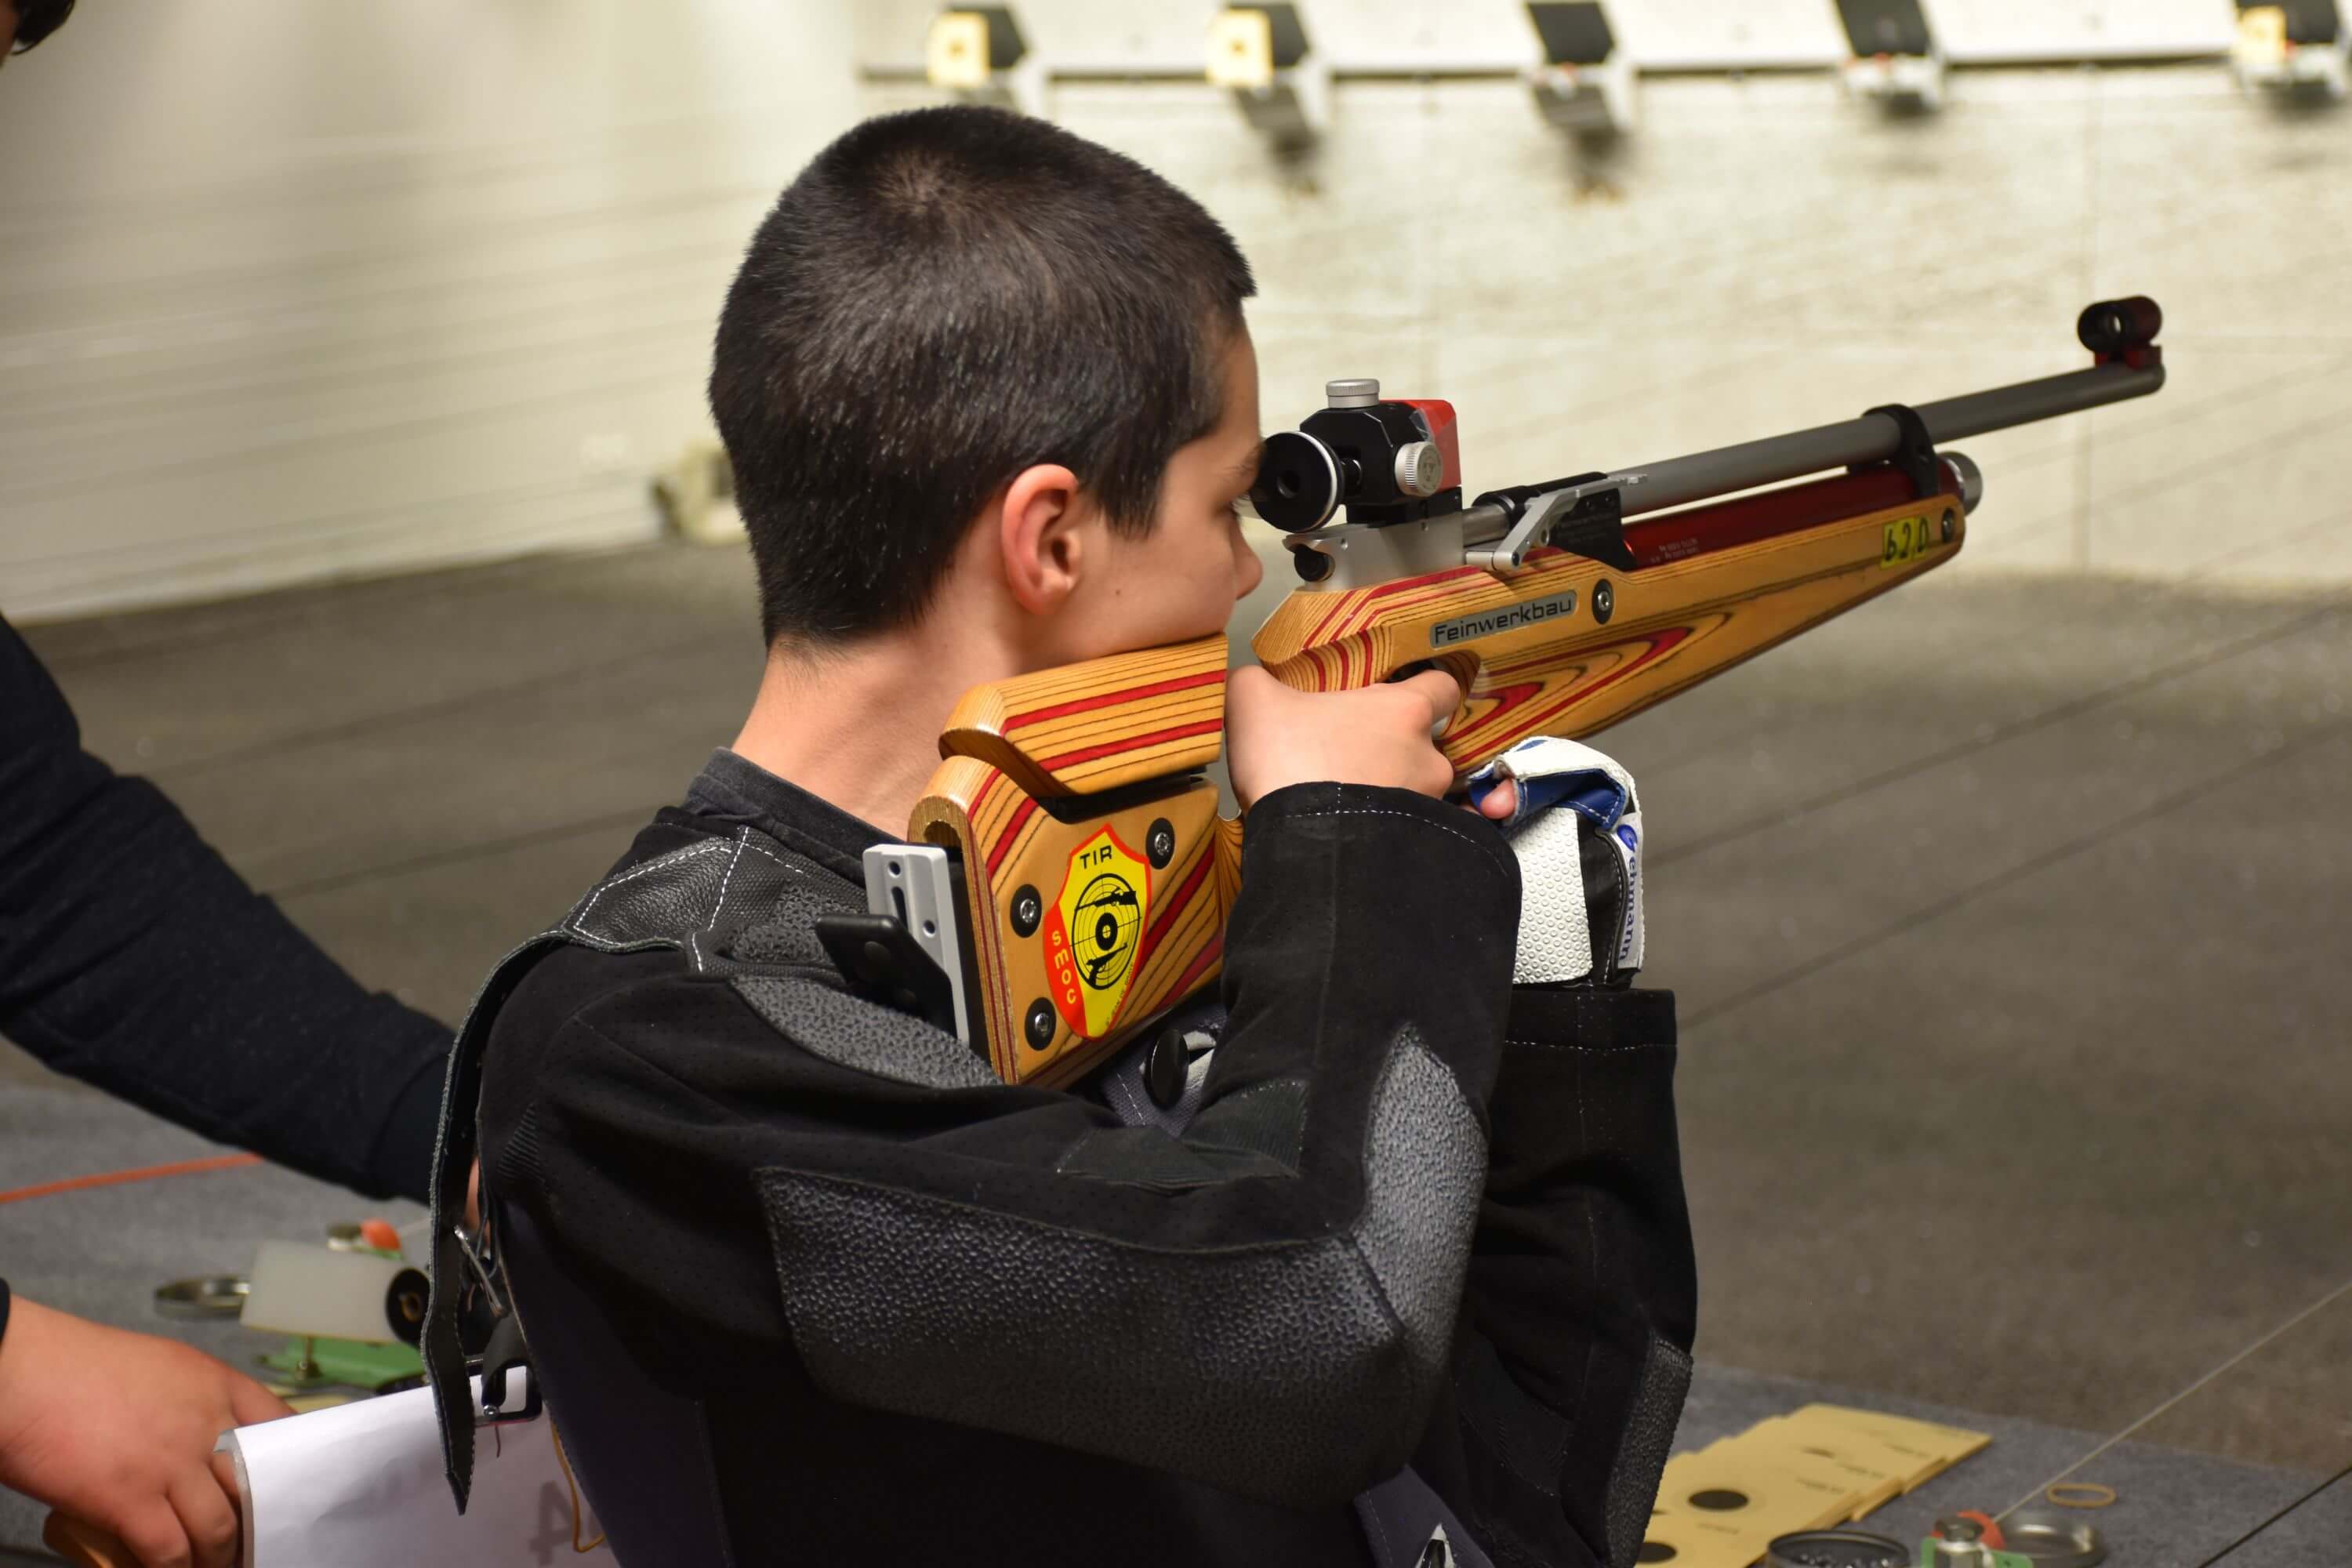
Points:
x=1907, y=539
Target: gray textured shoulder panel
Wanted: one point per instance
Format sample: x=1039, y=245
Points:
x=746, y=907
x=844, y=1030
x=1293, y=1371
x=660, y=901
x=730, y=903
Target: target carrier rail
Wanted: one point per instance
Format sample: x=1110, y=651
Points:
x=1066, y=876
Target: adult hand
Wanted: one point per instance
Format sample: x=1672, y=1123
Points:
x=117, y=1428
x=1372, y=735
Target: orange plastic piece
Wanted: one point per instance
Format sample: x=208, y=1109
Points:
x=380, y=1235
x=1990, y=1526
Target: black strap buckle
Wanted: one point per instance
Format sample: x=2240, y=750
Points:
x=504, y=1353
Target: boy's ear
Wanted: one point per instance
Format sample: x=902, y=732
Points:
x=1041, y=537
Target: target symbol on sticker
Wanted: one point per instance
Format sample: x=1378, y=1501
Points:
x=1093, y=932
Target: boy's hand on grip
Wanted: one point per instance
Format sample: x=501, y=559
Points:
x=1373, y=735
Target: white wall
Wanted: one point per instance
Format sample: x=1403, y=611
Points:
x=294, y=288
x=1764, y=254
x=1660, y=35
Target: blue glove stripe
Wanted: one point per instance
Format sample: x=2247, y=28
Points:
x=1591, y=794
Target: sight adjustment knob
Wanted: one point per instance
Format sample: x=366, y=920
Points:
x=1352, y=391
x=1420, y=469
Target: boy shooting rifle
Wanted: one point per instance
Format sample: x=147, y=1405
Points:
x=804, y=1279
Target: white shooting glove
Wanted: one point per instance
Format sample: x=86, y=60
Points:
x=1578, y=834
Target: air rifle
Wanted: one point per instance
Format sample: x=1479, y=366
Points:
x=1067, y=873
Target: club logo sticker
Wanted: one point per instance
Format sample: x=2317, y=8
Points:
x=1093, y=931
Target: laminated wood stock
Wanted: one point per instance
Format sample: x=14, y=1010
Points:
x=1716, y=585
x=1097, y=873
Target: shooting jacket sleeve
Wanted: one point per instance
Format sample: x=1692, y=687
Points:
x=1578, y=1321
x=132, y=956
x=1266, y=1304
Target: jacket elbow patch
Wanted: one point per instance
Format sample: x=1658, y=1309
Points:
x=1294, y=1370
x=926, y=1307
x=1641, y=1462
x=1425, y=1166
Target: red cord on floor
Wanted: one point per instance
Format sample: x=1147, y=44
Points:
x=143, y=1173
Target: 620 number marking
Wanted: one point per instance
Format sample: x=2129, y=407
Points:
x=1907, y=539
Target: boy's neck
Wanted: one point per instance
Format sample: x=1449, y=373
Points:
x=859, y=728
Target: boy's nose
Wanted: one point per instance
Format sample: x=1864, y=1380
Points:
x=1251, y=572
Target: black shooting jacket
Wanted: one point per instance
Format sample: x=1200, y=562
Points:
x=803, y=1282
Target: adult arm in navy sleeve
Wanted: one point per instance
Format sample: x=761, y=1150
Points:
x=132, y=957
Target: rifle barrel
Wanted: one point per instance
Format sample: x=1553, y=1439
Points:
x=1870, y=438
x=1975, y=413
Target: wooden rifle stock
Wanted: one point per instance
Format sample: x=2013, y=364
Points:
x=1097, y=871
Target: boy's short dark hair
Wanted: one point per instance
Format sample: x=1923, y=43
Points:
x=943, y=297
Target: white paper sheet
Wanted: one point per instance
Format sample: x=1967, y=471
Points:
x=360, y=1486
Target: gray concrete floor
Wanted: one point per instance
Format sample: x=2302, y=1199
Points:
x=2007, y=915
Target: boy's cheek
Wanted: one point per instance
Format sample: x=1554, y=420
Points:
x=1181, y=584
